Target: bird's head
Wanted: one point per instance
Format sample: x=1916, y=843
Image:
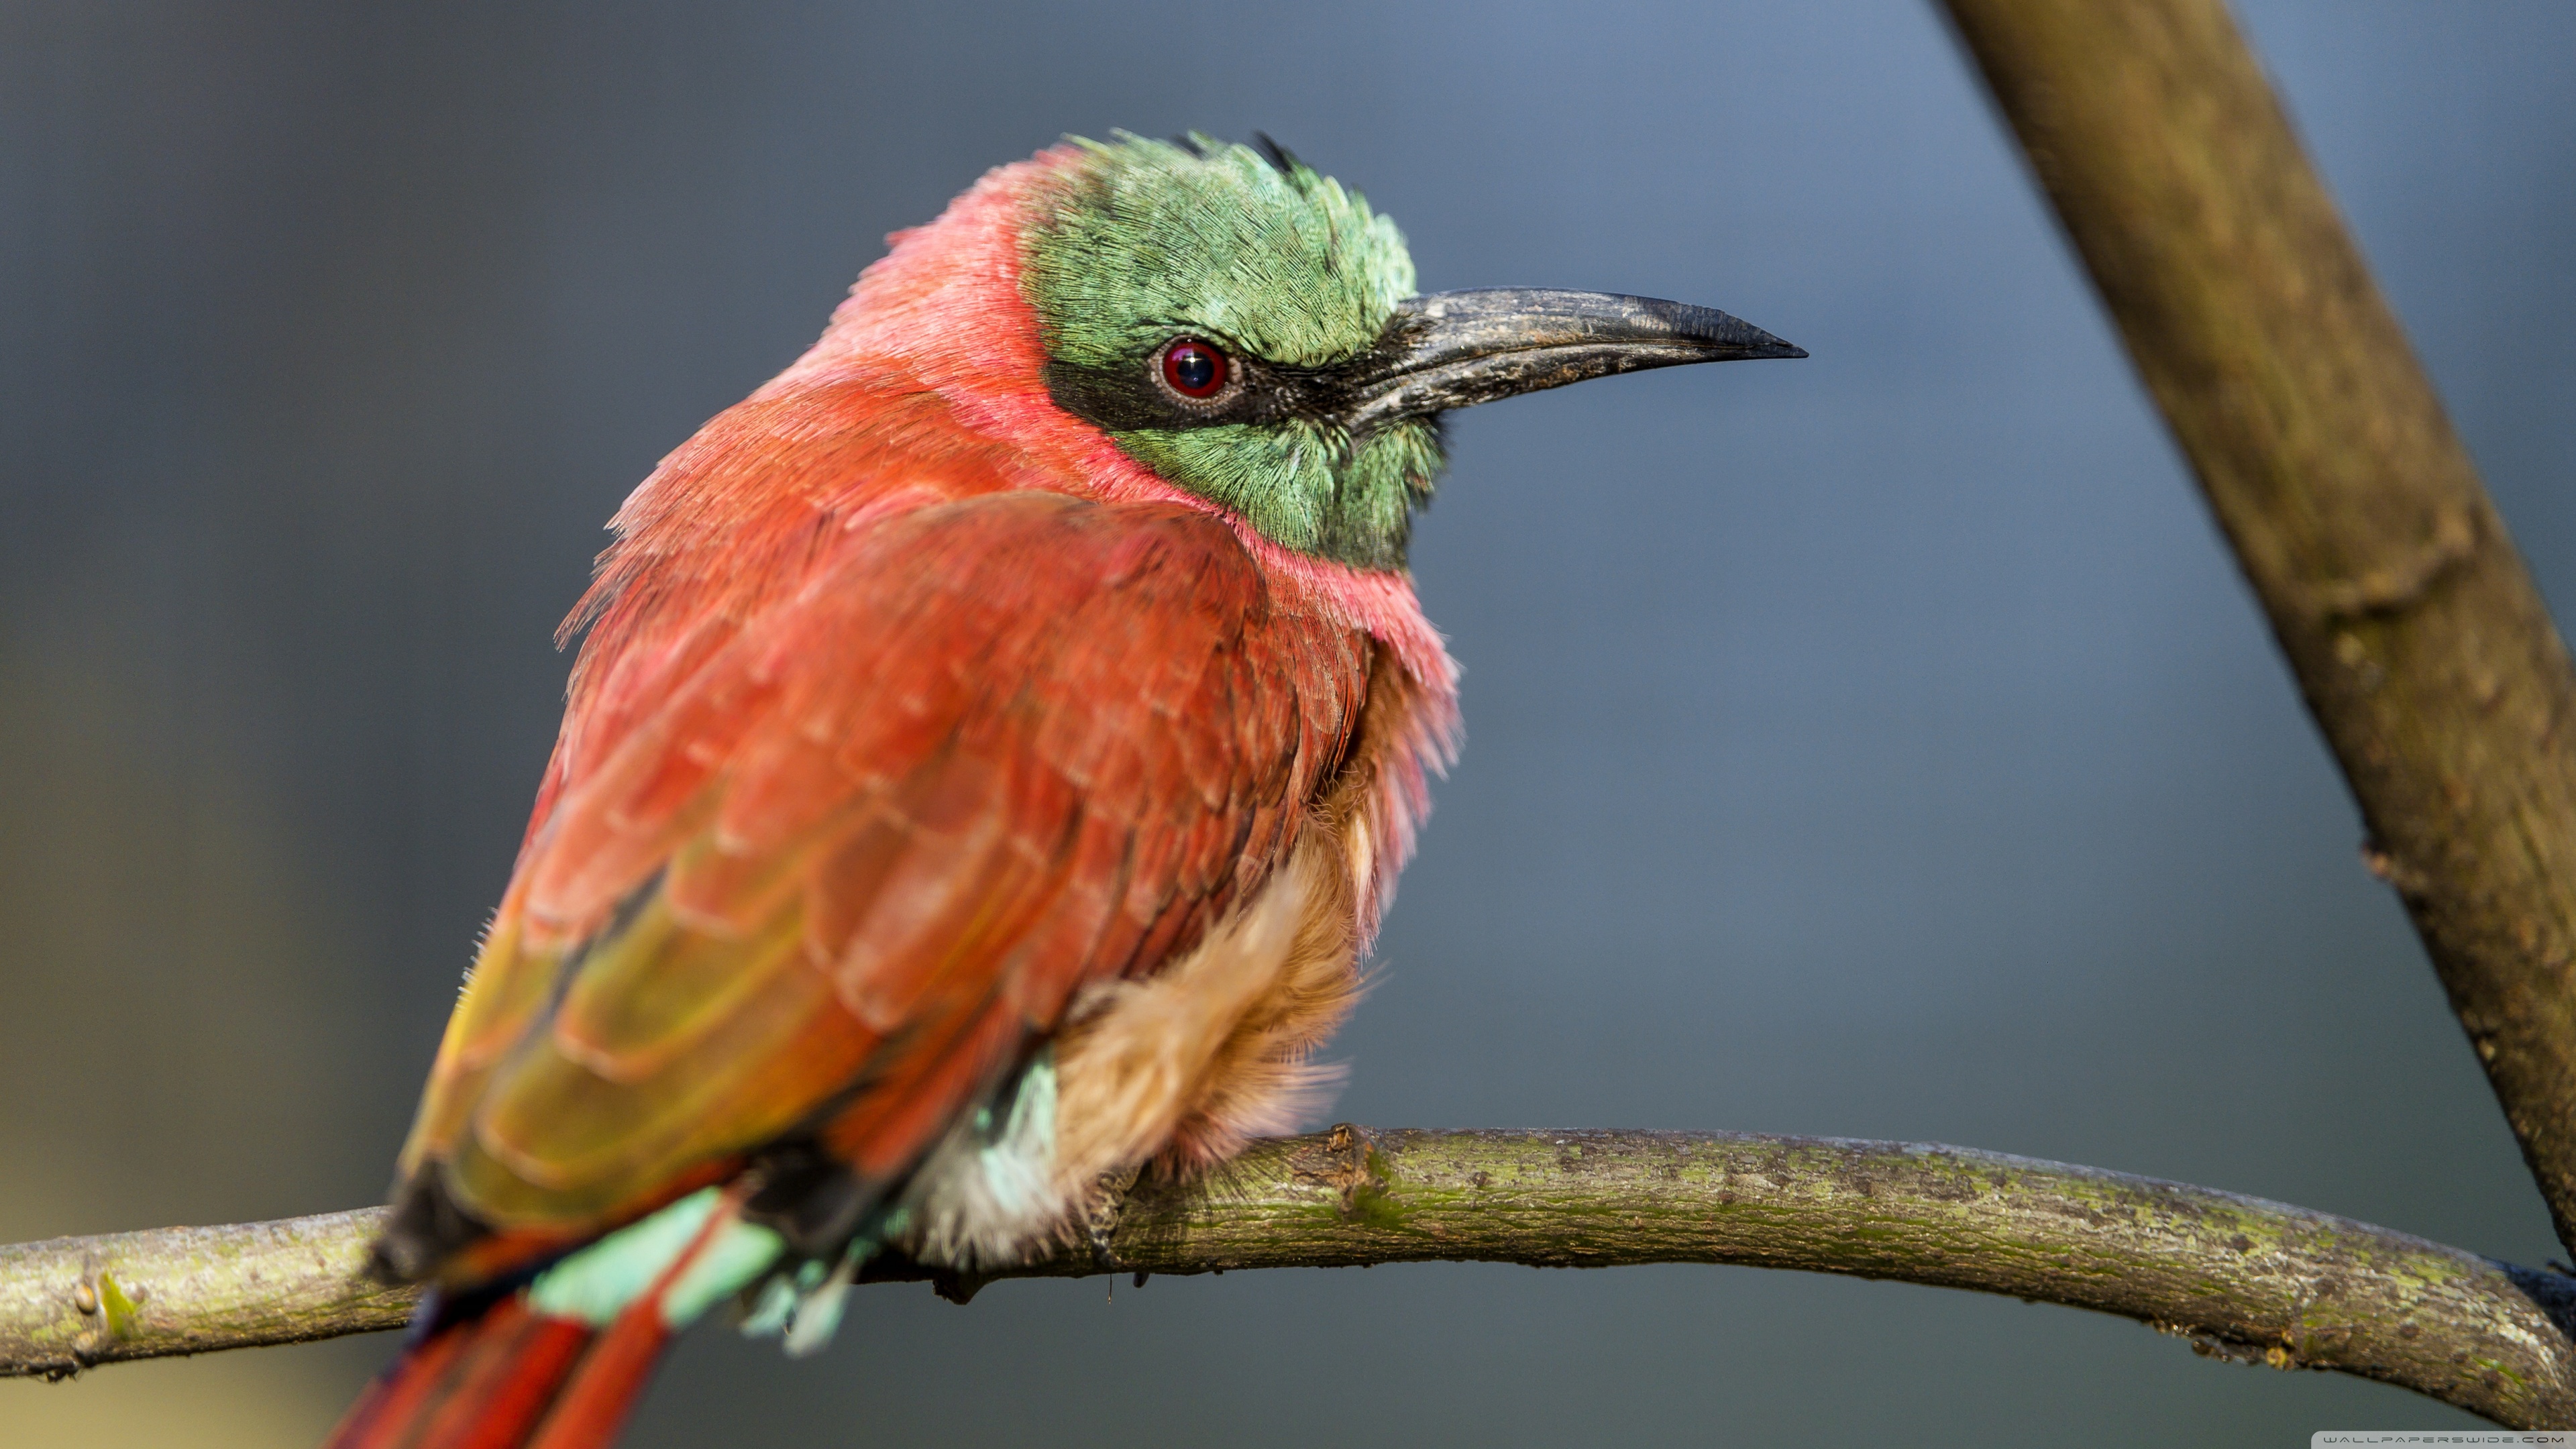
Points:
x=1223, y=320
x=1248, y=329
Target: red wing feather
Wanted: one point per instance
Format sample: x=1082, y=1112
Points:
x=988, y=749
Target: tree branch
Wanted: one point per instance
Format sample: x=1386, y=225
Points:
x=68, y=1303
x=2241, y=1277
x=2417, y=637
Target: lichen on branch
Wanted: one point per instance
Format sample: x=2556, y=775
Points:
x=2239, y=1276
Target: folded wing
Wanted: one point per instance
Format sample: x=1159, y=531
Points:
x=866, y=845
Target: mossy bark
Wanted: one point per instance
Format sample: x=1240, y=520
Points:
x=67, y=1303
x=2238, y=1276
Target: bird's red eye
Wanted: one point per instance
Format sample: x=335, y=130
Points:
x=1194, y=369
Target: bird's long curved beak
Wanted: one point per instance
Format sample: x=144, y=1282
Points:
x=1457, y=349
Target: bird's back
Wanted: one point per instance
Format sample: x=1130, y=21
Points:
x=857, y=795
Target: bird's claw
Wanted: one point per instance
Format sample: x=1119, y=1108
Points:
x=1100, y=1215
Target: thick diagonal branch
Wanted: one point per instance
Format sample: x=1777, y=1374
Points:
x=2422, y=647
x=2239, y=1276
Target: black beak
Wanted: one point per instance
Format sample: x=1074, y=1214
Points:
x=1457, y=349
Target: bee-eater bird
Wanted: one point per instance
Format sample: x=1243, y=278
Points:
x=993, y=745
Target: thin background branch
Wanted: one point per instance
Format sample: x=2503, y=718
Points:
x=2422, y=647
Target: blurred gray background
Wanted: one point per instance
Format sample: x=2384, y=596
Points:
x=1879, y=745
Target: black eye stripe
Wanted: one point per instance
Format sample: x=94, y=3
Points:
x=1135, y=395
x=1141, y=394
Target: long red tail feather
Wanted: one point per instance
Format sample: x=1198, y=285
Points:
x=514, y=1378
x=594, y=1405
x=481, y=1384
x=511, y=1379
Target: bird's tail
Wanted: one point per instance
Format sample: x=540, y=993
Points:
x=491, y=1382
x=558, y=1364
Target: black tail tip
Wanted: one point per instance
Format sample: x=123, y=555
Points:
x=426, y=1228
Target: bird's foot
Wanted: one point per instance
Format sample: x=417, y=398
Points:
x=1101, y=1210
